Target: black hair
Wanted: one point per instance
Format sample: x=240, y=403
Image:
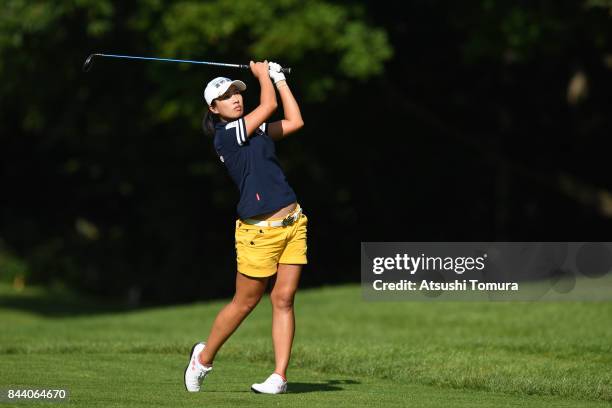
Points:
x=209, y=122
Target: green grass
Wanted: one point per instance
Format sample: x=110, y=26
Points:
x=347, y=352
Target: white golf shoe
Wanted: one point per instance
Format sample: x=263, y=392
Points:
x=195, y=372
x=274, y=384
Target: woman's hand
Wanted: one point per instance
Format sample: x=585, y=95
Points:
x=275, y=72
x=259, y=69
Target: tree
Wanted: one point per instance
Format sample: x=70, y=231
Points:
x=108, y=183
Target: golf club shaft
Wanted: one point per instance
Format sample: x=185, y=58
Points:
x=218, y=64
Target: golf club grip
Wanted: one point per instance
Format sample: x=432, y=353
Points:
x=283, y=70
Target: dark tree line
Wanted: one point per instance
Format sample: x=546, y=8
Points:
x=425, y=121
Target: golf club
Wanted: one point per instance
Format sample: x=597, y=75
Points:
x=89, y=62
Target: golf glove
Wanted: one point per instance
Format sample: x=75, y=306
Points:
x=275, y=72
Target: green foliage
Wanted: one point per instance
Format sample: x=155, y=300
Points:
x=287, y=31
x=108, y=183
x=600, y=3
x=513, y=33
x=283, y=29
x=108, y=169
x=20, y=18
x=11, y=266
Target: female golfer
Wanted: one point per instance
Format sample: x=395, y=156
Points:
x=270, y=229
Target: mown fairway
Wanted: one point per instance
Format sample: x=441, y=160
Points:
x=347, y=353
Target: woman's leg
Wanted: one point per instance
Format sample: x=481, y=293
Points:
x=248, y=293
x=283, y=321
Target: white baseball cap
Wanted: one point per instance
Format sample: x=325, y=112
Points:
x=219, y=86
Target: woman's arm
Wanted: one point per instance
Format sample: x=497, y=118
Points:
x=267, y=98
x=293, y=117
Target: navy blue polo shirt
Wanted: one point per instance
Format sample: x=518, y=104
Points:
x=252, y=164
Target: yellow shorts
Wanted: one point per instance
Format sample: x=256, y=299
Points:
x=259, y=250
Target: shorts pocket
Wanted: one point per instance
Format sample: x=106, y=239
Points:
x=247, y=236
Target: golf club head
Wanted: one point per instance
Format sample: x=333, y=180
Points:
x=88, y=63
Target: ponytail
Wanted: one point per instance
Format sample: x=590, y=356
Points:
x=209, y=122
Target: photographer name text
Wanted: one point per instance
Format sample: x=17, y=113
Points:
x=457, y=285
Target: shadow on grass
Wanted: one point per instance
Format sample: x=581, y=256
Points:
x=329, y=385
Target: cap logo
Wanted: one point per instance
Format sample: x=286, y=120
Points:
x=221, y=82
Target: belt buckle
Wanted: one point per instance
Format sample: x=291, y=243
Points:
x=288, y=221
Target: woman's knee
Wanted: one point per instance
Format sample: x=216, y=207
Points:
x=282, y=299
x=246, y=303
